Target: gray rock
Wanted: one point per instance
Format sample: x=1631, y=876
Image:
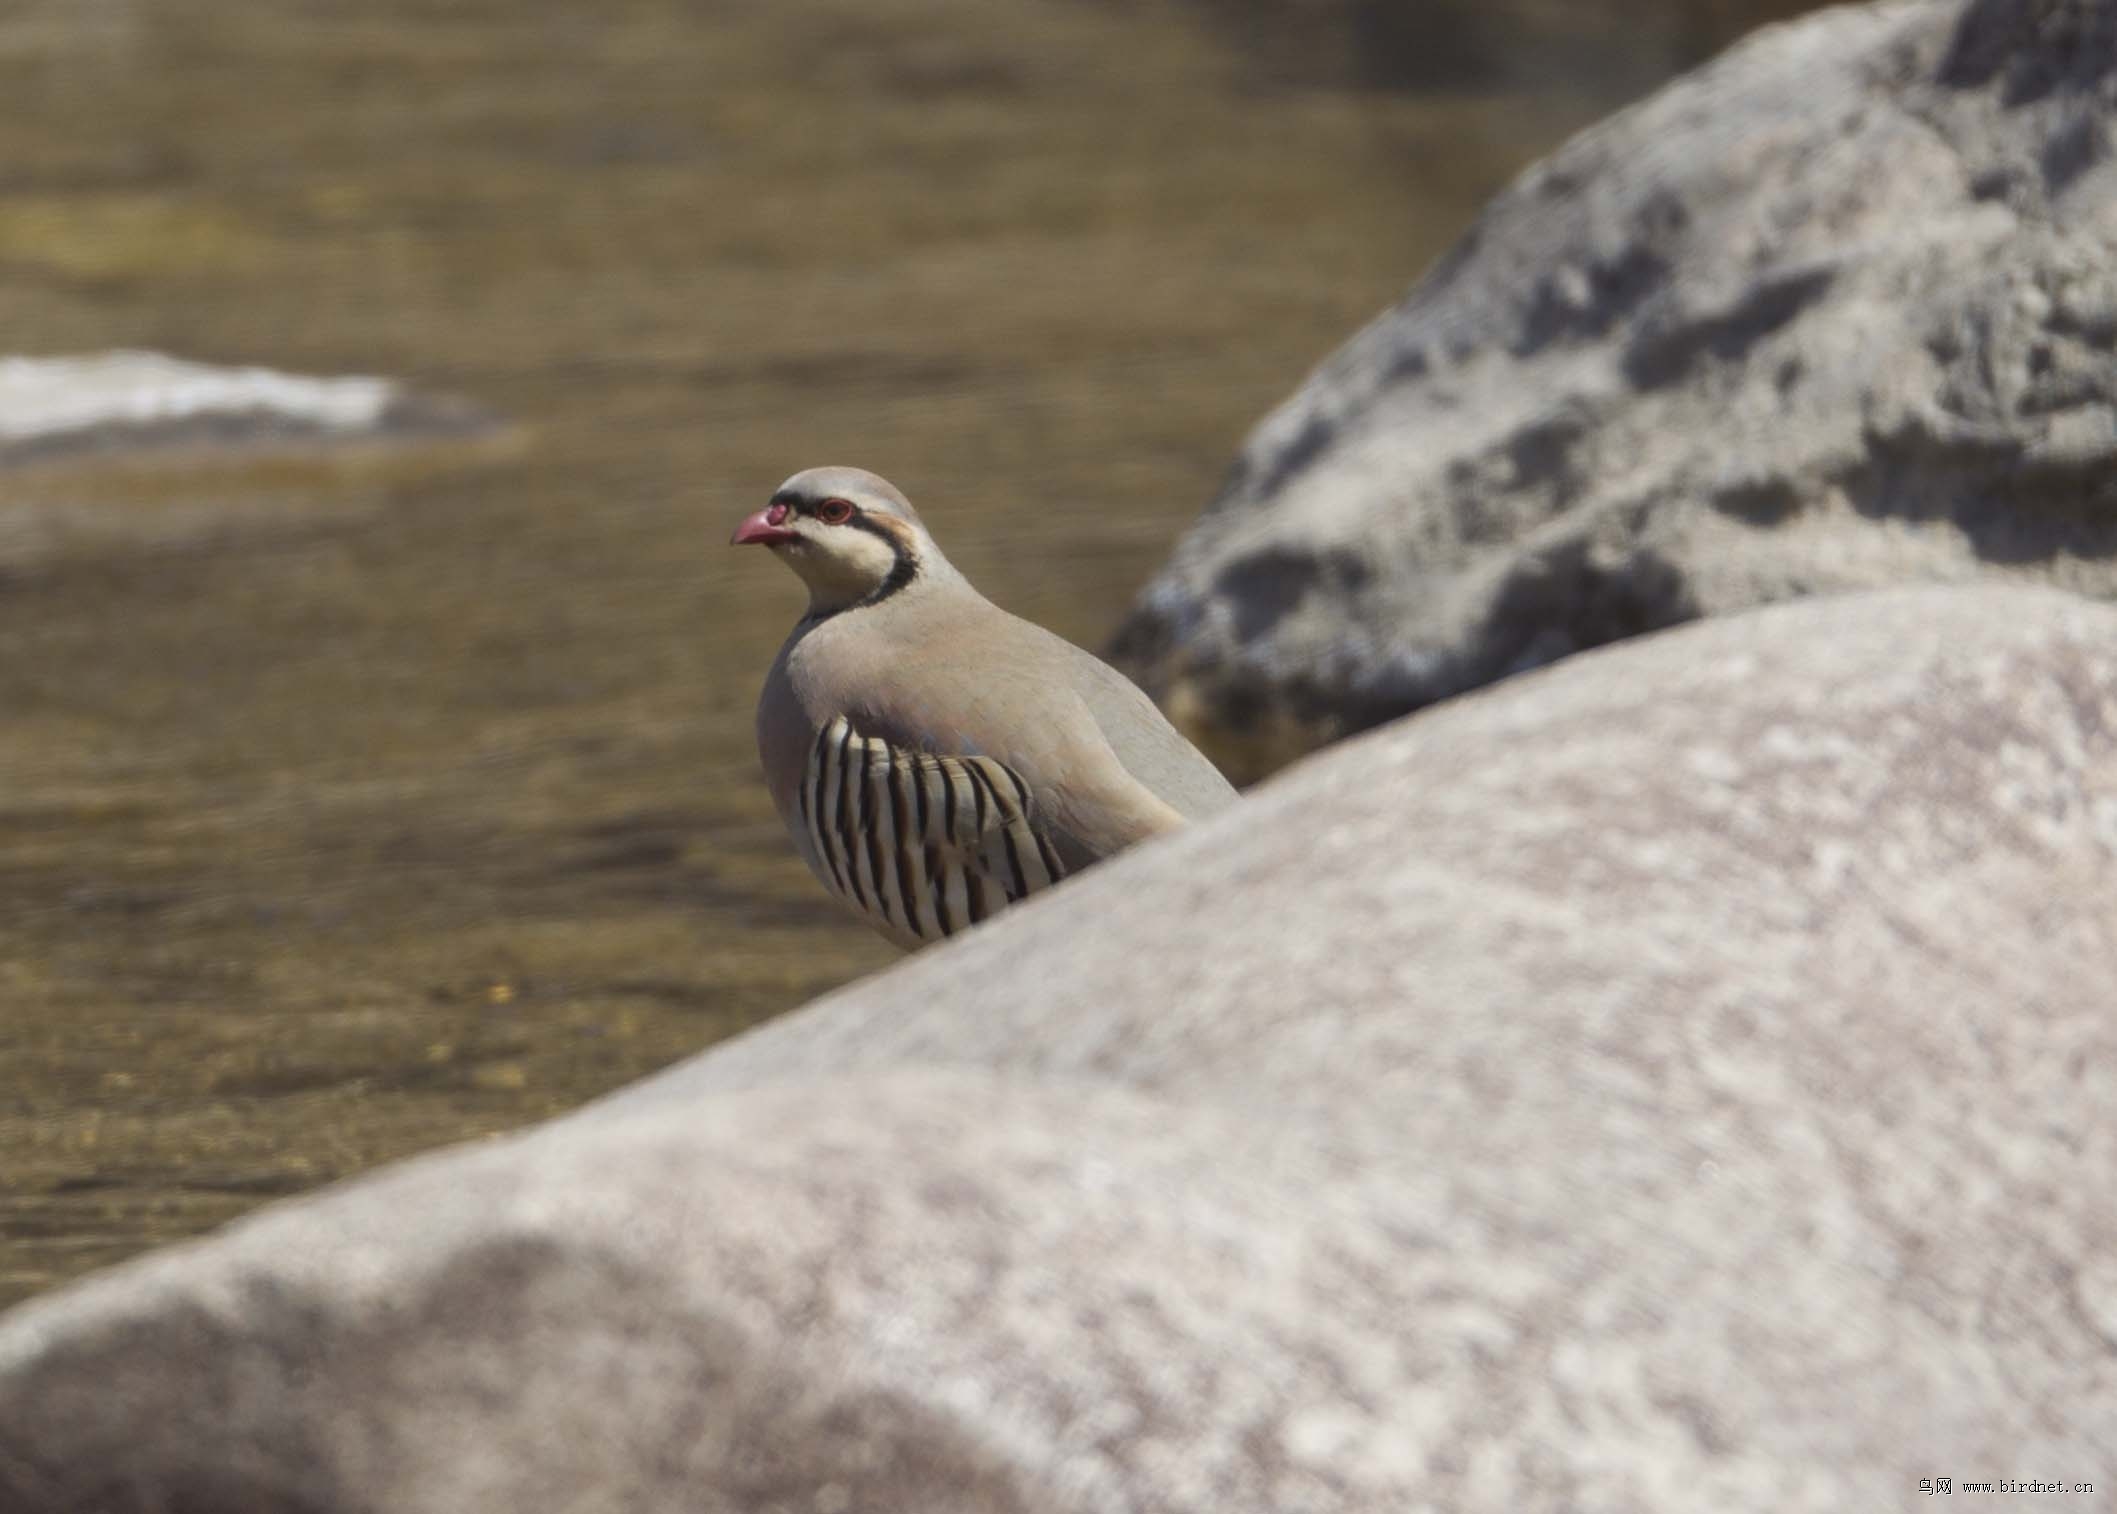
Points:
x=1838, y=310
x=118, y=402
x=1677, y=1080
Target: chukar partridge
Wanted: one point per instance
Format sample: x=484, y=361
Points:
x=934, y=757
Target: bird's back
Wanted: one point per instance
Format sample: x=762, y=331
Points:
x=958, y=666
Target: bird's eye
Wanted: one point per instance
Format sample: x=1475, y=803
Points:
x=835, y=512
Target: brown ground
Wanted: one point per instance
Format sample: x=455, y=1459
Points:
x=355, y=805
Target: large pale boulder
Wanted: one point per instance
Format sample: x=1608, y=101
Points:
x=1678, y=1080
x=1838, y=310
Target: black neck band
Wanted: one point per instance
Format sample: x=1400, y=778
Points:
x=901, y=572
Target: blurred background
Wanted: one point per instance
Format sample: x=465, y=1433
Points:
x=360, y=798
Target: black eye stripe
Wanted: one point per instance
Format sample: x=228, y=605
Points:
x=812, y=508
x=875, y=528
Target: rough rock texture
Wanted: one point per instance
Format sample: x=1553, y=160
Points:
x=1679, y=1080
x=120, y=401
x=1836, y=311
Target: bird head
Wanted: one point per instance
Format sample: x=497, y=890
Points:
x=849, y=535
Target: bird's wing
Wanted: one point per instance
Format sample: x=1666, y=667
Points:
x=963, y=680
x=922, y=845
x=1083, y=801
x=1152, y=750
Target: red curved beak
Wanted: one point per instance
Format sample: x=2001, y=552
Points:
x=763, y=527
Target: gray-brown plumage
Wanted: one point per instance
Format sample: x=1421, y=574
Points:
x=934, y=757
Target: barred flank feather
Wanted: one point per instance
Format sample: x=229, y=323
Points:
x=927, y=845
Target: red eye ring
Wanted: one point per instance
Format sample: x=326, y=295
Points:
x=835, y=512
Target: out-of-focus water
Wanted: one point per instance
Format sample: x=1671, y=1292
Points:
x=353, y=803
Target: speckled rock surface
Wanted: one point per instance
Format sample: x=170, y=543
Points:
x=1677, y=1080
x=1838, y=310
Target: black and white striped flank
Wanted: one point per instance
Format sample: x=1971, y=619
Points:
x=924, y=845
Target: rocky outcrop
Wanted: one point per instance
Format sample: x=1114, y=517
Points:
x=119, y=402
x=1676, y=1080
x=1838, y=310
